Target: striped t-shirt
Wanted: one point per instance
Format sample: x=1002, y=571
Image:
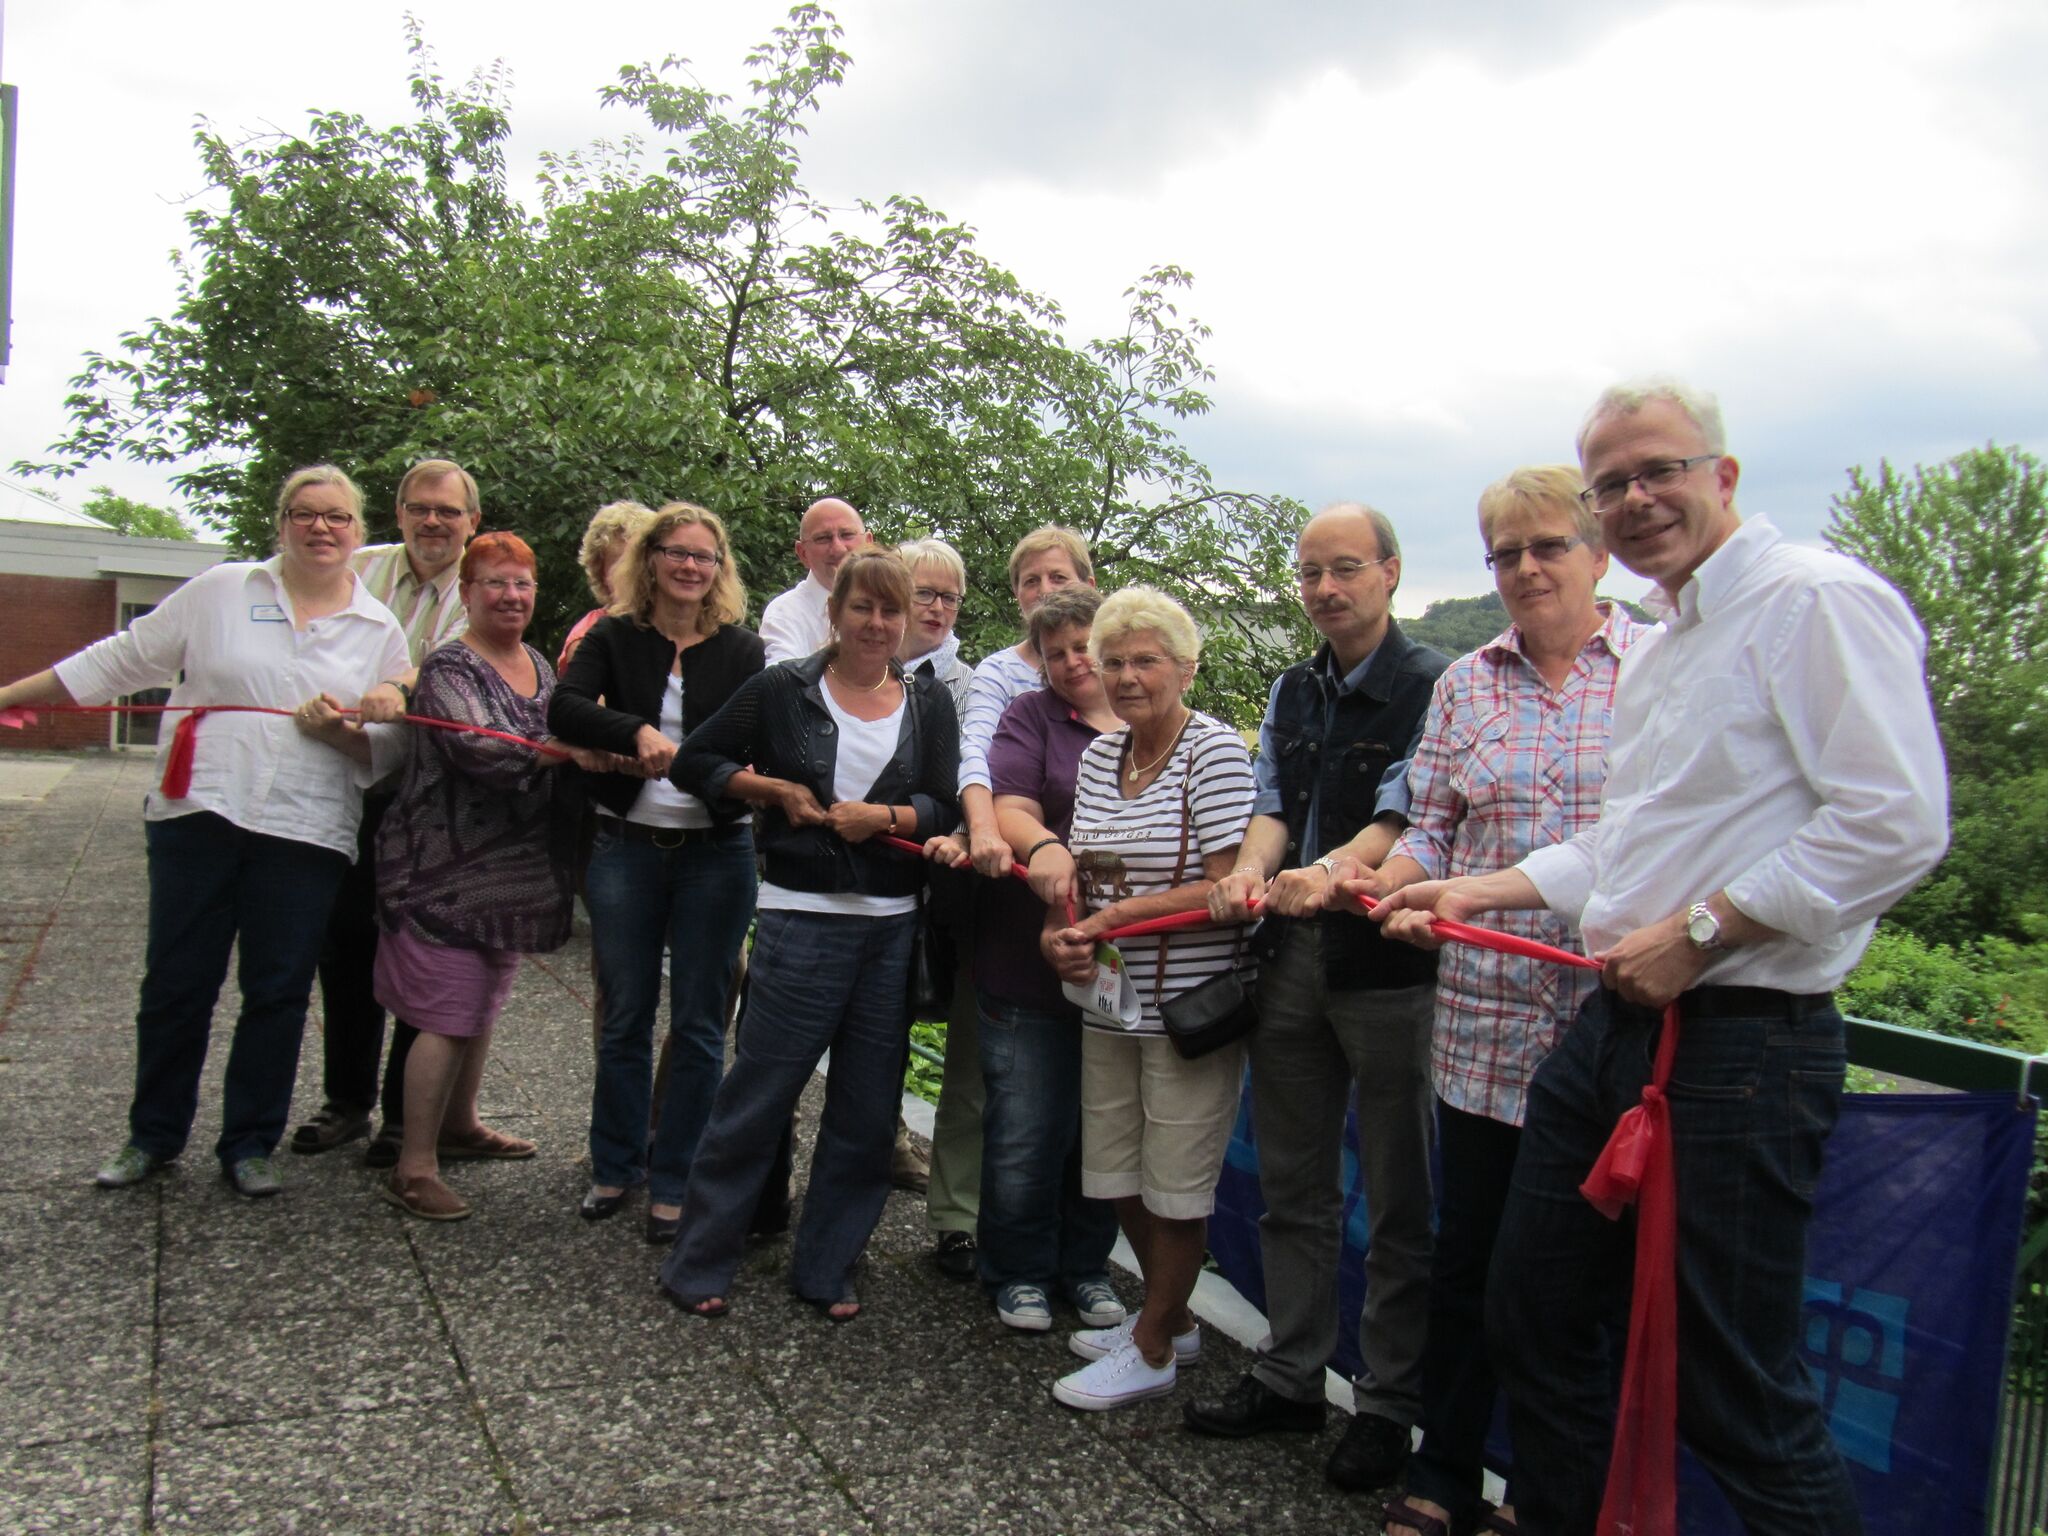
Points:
x=1125, y=848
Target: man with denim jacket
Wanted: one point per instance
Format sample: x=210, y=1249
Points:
x=1774, y=783
x=1338, y=1006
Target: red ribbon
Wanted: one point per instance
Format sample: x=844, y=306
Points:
x=177, y=779
x=1636, y=1166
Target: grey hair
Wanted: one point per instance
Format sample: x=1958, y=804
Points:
x=1631, y=395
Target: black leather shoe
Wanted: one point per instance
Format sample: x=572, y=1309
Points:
x=662, y=1230
x=955, y=1255
x=596, y=1207
x=1371, y=1454
x=1251, y=1408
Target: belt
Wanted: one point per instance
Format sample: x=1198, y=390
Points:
x=669, y=837
x=1719, y=1002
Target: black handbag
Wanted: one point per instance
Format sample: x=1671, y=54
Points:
x=1220, y=1010
x=932, y=962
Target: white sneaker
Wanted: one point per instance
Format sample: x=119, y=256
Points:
x=1115, y=1381
x=1094, y=1343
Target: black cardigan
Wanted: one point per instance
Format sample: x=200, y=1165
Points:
x=628, y=667
x=778, y=725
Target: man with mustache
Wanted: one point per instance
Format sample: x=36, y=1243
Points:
x=1774, y=784
x=1338, y=1006
x=417, y=579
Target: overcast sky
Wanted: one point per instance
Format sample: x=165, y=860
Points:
x=1425, y=236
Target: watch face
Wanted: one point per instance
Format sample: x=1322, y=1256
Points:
x=1702, y=929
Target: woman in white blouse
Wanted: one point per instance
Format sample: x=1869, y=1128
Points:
x=256, y=848
x=1159, y=810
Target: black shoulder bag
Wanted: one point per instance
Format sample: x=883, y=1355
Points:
x=1213, y=1014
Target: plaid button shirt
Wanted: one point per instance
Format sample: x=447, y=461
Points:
x=1506, y=764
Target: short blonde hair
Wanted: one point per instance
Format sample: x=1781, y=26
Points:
x=937, y=552
x=1553, y=487
x=434, y=469
x=610, y=530
x=1052, y=537
x=633, y=592
x=320, y=474
x=1142, y=610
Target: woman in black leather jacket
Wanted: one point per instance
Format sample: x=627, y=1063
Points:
x=835, y=750
x=667, y=868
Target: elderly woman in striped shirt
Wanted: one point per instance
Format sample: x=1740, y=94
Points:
x=1159, y=810
x=1510, y=760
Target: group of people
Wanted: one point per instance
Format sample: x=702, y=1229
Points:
x=1715, y=806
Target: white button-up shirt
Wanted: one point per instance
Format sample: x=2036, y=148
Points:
x=794, y=625
x=227, y=637
x=1773, y=739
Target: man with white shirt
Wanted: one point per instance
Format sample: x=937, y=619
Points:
x=793, y=625
x=417, y=578
x=1774, y=783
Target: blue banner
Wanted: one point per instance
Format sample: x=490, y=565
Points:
x=1908, y=1296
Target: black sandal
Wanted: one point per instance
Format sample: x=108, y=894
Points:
x=706, y=1307
x=848, y=1298
x=1401, y=1512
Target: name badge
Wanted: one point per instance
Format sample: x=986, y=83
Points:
x=267, y=613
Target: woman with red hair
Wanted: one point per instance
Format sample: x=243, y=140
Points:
x=473, y=870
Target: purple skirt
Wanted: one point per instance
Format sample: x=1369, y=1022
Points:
x=442, y=990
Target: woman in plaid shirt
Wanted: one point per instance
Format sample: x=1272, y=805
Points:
x=1510, y=759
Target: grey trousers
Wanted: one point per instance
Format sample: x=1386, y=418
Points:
x=1312, y=1045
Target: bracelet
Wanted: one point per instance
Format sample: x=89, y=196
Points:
x=892, y=821
x=1043, y=842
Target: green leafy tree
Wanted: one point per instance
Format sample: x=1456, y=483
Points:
x=138, y=519
x=1966, y=543
x=674, y=316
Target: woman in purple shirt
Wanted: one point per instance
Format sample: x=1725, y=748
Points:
x=1036, y=1232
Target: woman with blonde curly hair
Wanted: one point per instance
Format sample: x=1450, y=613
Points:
x=667, y=869
x=605, y=541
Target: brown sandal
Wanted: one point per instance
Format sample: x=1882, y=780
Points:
x=484, y=1145
x=427, y=1198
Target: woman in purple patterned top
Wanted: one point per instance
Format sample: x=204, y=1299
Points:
x=473, y=870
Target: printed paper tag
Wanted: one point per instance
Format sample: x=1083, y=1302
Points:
x=1110, y=996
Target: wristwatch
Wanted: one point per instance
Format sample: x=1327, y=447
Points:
x=1328, y=865
x=1702, y=928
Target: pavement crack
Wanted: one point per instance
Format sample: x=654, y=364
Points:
x=501, y=1469
x=156, y=1357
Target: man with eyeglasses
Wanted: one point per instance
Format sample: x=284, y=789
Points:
x=1774, y=784
x=793, y=625
x=1338, y=1006
x=417, y=579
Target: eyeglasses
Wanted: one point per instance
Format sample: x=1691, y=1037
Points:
x=1548, y=551
x=427, y=511
x=675, y=554
x=1116, y=666
x=1342, y=570
x=306, y=517
x=846, y=536
x=498, y=586
x=1608, y=495
x=924, y=597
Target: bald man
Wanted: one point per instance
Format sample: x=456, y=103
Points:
x=794, y=625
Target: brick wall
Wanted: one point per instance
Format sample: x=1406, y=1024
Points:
x=43, y=619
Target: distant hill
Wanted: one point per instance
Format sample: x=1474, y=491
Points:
x=1455, y=625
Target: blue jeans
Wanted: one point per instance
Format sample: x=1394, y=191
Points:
x=1035, y=1225
x=211, y=882
x=695, y=900
x=818, y=982
x=1754, y=1092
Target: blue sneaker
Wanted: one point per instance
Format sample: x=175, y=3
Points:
x=1021, y=1305
x=1096, y=1301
